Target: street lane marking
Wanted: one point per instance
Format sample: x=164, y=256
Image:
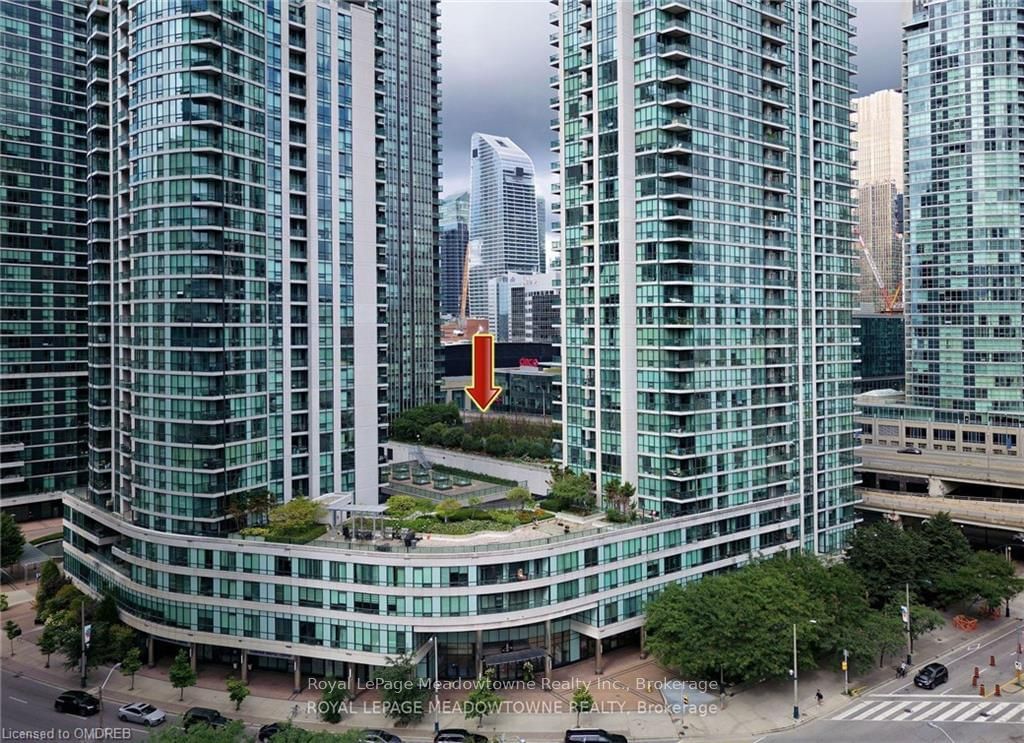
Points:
x=931, y=710
x=973, y=712
x=951, y=711
x=1008, y=715
x=900, y=708
x=873, y=711
x=912, y=710
x=15, y=699
x=991, y=711
x=855, y=708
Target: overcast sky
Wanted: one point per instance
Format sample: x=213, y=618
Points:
x=494, y=75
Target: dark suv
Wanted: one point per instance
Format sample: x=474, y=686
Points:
x=931, y=676
x=200, y=715
x=77, y=703
x=593, y=735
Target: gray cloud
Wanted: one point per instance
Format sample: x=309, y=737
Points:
x=494, y=76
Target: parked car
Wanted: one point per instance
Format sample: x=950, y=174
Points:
x=198, y=715
x=908, y=450
x=379, y=736
x=931, y=676
x=141, y=713
x=269, y=730
x=77, y=703
x=459, y=735
x=593, y=735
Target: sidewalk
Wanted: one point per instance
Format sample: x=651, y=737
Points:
x=538, y=715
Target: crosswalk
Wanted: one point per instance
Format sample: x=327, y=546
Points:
x=910, y=709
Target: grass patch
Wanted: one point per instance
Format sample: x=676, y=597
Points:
x=297, y=536
x=455, y=472
x=56, y=536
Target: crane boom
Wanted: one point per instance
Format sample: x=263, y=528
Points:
x=464, y=297
x=871, y=262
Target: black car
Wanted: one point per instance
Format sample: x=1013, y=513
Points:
x=459, y=735
x=270, y=730
x=199, y=715
x=931, y=676
x=77, y=703
x=593, y=735
x=908, y=450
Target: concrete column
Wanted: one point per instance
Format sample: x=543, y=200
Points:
x=479, y=653
x=939, y=488
x=351, y=679
x=548, y=650
x=598, y=661
x=244, y=663
x=193, y=654
x=151, y=651
x=643, y=641
x=297, y=680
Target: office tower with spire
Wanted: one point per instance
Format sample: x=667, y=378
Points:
x=965, y=271
x=502, y=214
x=708, y=261
x=43, y=255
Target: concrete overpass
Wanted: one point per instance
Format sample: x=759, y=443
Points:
x=992, y=514
x=944, y=471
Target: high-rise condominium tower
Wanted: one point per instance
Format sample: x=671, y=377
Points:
x=878, y=176
x=542, y=235
x=965, y=301
x=708, y=261
x=408, y=65
x=502, y=214
x=43, y=253
x=236, y=257
x=454, y=240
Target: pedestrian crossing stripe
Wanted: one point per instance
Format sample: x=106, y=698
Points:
x=931, y=710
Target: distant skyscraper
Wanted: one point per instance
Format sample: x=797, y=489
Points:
x=542, y=235
x=965, y=281
x=43, y=263
x=454, y=229
x=409, y=94
x=503, y=214
x=509, y=306
x=709, y=272
x=878, y=176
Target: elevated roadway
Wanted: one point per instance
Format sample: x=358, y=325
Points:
x=955, y=467
x=991, y=514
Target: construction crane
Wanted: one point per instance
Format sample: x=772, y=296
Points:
x=464, y=295
x=892, y=300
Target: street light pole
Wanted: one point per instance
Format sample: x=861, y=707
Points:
x=109, y=674
x=437, y=700
x=910, y=637
x=796, y=691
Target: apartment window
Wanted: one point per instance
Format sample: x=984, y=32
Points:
x=974, y=437
x=944, y=434
x=915, y=432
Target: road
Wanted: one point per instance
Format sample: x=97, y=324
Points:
x=951, y=713
x=1002, y=470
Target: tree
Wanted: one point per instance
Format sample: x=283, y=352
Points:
x=483, y=700
x=13, y=631
x=291, y=734
x=434, y=434
x=238, y=509
x=447, y=508
x=233, y=732
x=332, y=699
x=402, y=506
x=582, y=701
x=4, y=603
x=986, y=577
x=51, y=580
x=238, y=690
x=404, y=696
x=131, y=664
x=886, y=557
x=181, y=674
x=48, y=643
x=568, y=490
x=12, y=541
x=296, y=515
x=519, y=497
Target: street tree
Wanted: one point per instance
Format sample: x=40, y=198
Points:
x=181, y=674
x=13, y=632
x=51, y=580
x=131, y=664
x=238, y=690
x=403, y=695
x=332, y=699
x=886, y=557
x=582, y=701
x=291, y=734
x=4, y=602
x=986, y=577
x=520, y=497
x=233, y=732
x=12, y=541
x=48, y=642
x=483, y=700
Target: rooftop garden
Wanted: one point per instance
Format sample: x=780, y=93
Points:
x=452, y=518
x=503, y=437
x=294, y=522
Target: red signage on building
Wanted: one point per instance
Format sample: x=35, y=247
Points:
x=529, y=362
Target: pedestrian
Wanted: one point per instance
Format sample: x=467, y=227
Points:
x=820, y=697
x=902, y=671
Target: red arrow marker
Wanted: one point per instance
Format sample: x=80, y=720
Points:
x=483, y=391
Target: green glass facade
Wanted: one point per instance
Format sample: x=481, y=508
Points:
x=709, y=274
x=43, y=253
x=880, y=351
x=964, y=275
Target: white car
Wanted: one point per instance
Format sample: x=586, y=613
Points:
x=141, y=713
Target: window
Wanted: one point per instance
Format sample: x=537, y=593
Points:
x=915, y=432
x=974, y=437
